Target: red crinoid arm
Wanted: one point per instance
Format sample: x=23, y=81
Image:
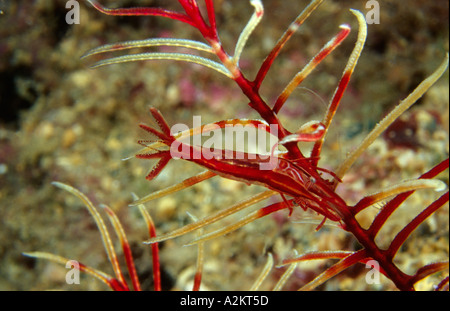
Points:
x=155, y=259
x=211, y=13
x=167, y=139
x=165, y=134
x=343, y=83
x=337, y=268
x=443, y=285
x=401, y=237
x=141, y=11
x=323, y=53
x=392, y=205
x=125, y=247
x=160, y=120
x=317, y=255
x=428, y=270
x=282, y=41
x=200, y=260
x=155, y=248
x=164, y=156
x=153, y=131
x=193, y=12
x=199, y=273
x=326, y=255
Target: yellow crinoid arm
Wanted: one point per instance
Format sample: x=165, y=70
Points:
x=177, y=187
x=190, y=58
x=409, y=185
x=421, y=89
x=153, y=42
x=107, y=242
x=263, y=275
x=104, y=277
x=214, y=217
x=248, y=29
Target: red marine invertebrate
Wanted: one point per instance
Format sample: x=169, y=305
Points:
x=297, y=178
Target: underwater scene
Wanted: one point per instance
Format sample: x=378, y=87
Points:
x=119, y=167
